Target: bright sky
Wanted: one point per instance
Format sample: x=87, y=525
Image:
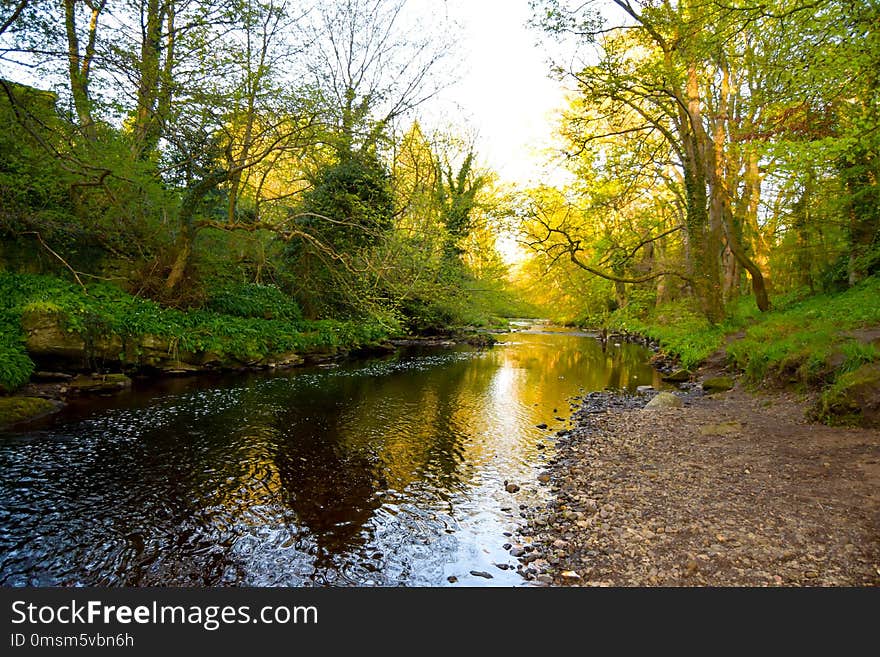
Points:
x=505, y=93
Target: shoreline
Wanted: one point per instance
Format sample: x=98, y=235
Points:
x=58, y=385
x=730, y=489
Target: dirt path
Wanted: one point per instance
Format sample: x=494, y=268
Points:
x=730, y=490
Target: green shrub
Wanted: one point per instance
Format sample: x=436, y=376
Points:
x=254, y=300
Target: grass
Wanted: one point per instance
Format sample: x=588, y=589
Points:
x=107, y=310
x=803, y=340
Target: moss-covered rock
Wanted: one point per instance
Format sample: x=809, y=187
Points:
x=678, y=376
x=98, y=383
x=45, y=336
x=18, y=409
x=854, y=399
x=718, y=384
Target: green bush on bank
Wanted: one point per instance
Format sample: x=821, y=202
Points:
x=106, y=309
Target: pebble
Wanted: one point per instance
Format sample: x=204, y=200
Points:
x=481, y=573
x=618, y=514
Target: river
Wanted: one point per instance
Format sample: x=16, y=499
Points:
x=380, y=472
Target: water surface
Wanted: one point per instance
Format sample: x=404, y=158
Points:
x=375, y=473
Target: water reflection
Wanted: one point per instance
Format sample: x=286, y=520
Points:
x=380, y=473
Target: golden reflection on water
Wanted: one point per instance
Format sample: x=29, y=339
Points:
x=316, y=470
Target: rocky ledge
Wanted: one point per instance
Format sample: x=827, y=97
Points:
x=729, y=489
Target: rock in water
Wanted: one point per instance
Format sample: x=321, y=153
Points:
x=718, y=384
x=99, y=383
x=664, y=400
x=511, y=488
x=480, y=573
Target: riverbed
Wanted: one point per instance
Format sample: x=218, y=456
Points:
x=380, y=472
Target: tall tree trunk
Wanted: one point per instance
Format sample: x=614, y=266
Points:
x=721, y=211
x=187, y=227
x=152, y=76
x=79, y=63
x=704, y=231
x=800, y=222
x=863, y=206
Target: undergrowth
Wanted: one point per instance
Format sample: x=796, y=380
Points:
x=243, y=331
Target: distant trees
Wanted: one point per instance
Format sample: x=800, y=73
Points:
x=684, y=113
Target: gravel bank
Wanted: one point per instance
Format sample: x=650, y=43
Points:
x=732, y=489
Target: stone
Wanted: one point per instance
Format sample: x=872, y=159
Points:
x=290, y=359
x=517, y=552
x=511, y=488
x=99, y=383
x=43, y=377
x=45, y=337
x=18, y=409
x=678, y=376
x=664, y=400
x=541, y=426
x=544, y=478
x=481, y=573
x=569, y=574
x=718, y=384
x=452, y=579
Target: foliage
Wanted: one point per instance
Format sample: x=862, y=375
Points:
x=805, y=340
x=107, y=310
x=689, y=121
x=253, y=300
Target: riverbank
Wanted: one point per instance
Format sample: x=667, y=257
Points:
x=731, y=489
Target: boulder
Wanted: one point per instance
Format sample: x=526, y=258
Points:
x=46, y=337
x=664, y=400
x=49, y=342
x=718, y=384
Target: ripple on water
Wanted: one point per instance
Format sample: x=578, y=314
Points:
x=383, y=473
